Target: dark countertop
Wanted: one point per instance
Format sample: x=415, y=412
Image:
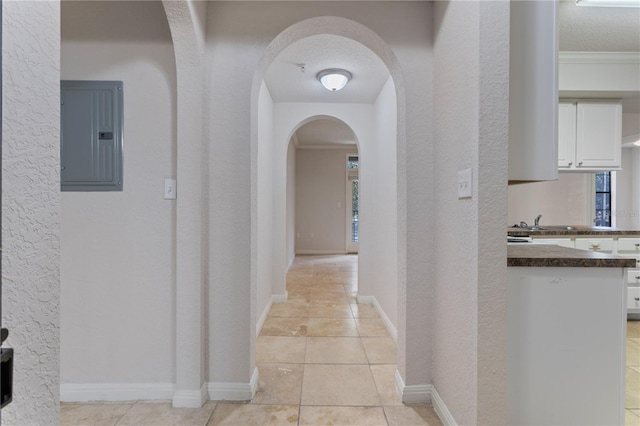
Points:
x=576, y=231
x=526, y=254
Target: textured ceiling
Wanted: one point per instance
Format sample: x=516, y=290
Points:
x=324, y=131
x=287, y=82
x=599, y=29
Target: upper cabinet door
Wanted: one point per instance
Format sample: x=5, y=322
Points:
x=566, y=134
x=599, y=135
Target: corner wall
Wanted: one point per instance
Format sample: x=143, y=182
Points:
x=471, y=131
x=31, y=207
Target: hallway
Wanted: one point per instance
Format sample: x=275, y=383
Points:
x=323, y=360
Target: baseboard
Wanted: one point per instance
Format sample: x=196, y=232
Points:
x=441, y=409
x=226, y=391
x=393, y=332
x=190, y=398
x=275, y=298
x=280, y=298
x=321, y=252
x=263, y=317
x=424, y=393
x=84, y=392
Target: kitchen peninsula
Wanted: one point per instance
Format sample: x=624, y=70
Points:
x=566, y=331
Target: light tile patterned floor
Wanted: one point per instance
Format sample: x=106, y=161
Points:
x=323, y=360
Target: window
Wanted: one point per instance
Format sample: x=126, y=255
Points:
x=91, y=136
x=603, y=199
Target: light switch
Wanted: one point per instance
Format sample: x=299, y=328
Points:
x=465, y=183
x=170, y=189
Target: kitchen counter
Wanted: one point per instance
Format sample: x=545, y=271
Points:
x=528, y=254
x=576, y=230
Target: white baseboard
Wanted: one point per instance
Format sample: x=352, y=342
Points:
x=424, y=393
x=275, y=298
x=321, y=252
x=190, y=398
x=84, y=392
x=441, y=409
x=226, y=391
x=280, y=298
x=393, y=332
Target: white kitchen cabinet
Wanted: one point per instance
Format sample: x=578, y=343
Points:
x=603, y=245
x=633, y=299
x=589, y=135
x=533, y=91
x=562, y=242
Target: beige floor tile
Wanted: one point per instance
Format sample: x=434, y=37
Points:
x=631, y=418
x=279, y=384
x=364, y=310
x=164, y=414
x=299, y=297
x=330, y=310
x=335, y=350
x=412, y=414
x=338, y=384
x=342, y=416
x=632, y=391
x=327, y=288
x=329, y=298
x=633, y=329
x=254, y=414
x=92, y=414
x=380, y=350
x=290, y=310
x=371, y=327
x=633, y=352
x=293, y=327
x=384, y=375
x=332, y=327
x=280, y=349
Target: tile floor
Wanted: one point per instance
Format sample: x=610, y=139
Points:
x=323, y=360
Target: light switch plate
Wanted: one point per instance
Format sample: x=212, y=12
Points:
x=170, y=189
x=465, y=183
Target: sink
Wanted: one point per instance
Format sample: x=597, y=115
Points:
x=556, y=227
x=547, y=228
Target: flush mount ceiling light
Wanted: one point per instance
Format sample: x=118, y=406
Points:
x=609, y=3
x=334, y=79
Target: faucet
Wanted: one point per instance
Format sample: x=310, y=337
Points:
x=536, y=221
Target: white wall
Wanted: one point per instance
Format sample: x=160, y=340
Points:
x=469, y=284
x=265, y=201
x=291, y=204
x=320, y=200
x=562, y=202
x=384, y=268
x=239, y=34
x=31, y=207
x=627, y=191
x=118, y=248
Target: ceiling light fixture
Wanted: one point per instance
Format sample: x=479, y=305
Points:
x=609, y=3
x=334, y=79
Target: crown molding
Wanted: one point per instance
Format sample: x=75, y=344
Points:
x=599, y=57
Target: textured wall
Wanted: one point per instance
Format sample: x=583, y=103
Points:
x=31, y=207
x=320, y=186
x=471, y=127
x=118, y=249
x=238, y=36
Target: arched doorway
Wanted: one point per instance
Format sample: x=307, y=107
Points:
x=379, y=128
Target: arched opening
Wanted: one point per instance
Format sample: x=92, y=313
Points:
x=376, y=119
